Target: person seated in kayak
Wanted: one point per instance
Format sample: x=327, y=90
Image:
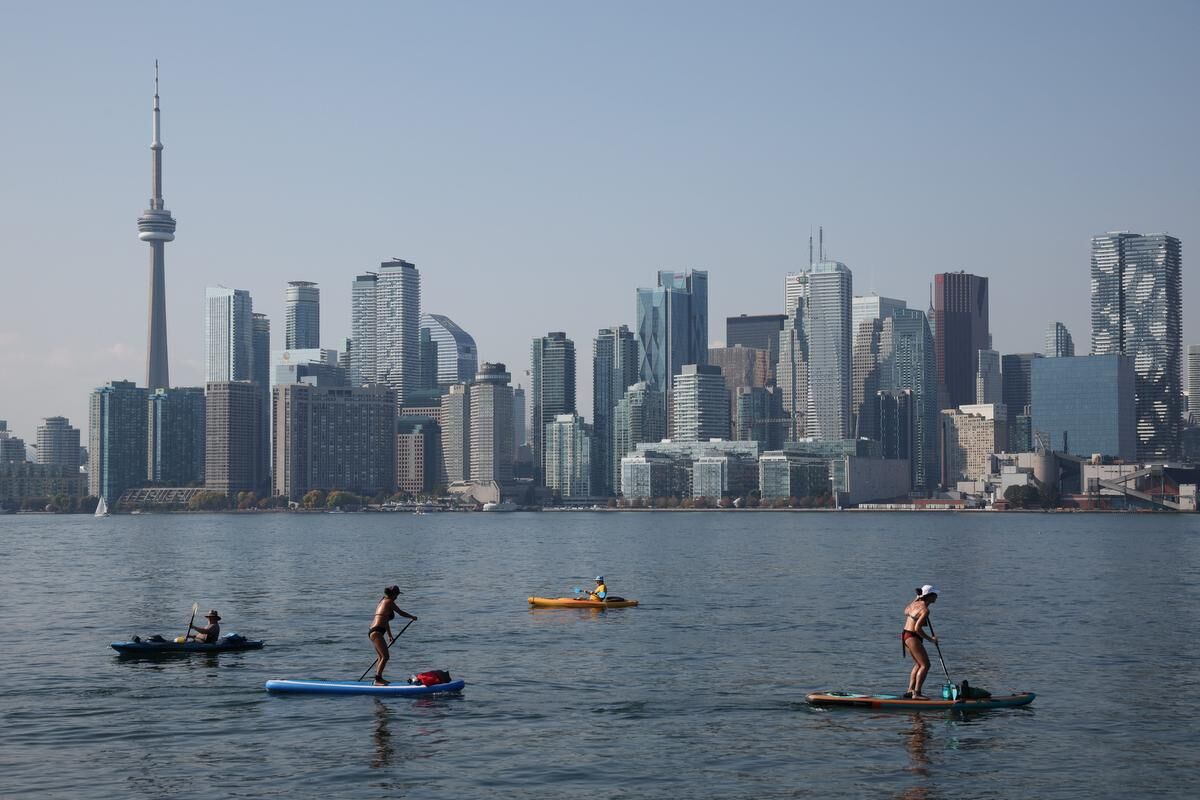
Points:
x=912, y=639
x=380, y=626
x=210, y=633
x=600, y=592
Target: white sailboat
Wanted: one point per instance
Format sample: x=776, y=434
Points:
x=102, y=508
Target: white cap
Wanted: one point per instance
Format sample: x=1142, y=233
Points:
x=928, y=589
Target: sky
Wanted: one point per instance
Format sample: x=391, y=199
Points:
x=540, y=161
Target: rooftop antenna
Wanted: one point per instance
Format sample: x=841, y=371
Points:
x=821, y=248
x=810, y=261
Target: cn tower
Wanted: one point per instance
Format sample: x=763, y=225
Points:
x=157, y=226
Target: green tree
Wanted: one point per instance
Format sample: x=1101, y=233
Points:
x=341, y=499
x=209, y=501
x=313, y=499
x=1014, y=496
x=87, y=505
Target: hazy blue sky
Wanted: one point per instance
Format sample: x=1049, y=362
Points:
x=538, y=161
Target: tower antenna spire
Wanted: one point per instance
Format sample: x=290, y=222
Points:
x=156, y=227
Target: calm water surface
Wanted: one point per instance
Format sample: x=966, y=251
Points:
x=698, y=693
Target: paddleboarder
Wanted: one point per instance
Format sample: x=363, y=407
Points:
x=380, y=626
x=912, y=638
x=210, y=633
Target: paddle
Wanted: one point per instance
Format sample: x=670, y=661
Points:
x=939, y=650
x=389, y=647
x=195, y=611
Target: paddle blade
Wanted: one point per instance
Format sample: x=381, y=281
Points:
x=195, y=609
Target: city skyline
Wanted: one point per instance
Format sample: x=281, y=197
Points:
x=746, y=252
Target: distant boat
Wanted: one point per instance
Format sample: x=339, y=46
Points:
x=506, y=505
x=102, y=508
x=418, y=511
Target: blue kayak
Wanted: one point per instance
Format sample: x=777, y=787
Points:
x=361, y=687
x=147, y=647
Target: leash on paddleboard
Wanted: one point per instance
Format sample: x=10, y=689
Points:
x=389, y=647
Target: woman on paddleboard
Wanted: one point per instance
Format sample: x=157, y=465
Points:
x=384, y=613
x=916, y=617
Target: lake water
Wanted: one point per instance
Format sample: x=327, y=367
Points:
x=698, y=693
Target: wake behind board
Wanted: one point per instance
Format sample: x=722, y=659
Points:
x=362, y=687
x=895, y=701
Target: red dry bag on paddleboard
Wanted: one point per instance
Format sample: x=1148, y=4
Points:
x=432, y=678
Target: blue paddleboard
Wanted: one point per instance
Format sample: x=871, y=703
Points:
x=361, y=687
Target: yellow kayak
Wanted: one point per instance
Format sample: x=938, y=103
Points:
x=572, y=602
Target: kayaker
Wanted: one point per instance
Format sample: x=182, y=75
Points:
x=912, y=639
x=601, y=591
x=210, y=633
x=380, y=626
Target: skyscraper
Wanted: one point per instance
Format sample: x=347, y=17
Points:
x=157, y=226
x=741, y=367
x=397, y=327
x=907, y=363
x=864, y=379
x=699, y=405
x=760, y=331
x=758, y=416
x=362, y=329
x=569, y=447
x=1017, y=368
x=232, y=462
x=614, y=369
x=457, y=355
x=672, y=327
x=553, y=388
x=1137, y=310
x=12, y=448
x=261, y=375
x=520, y=432
x=872, y=306
x=1193, y=379
x=1059, y=343
x=989, y=382
x=491, y=425
x=639, y=417
x=960, y=329
x=176, y=437
x=456, y=433
x=827, y=323
x=58, y=443
x=116, y=440
x=792, y=374
x=429, y=361
x=228, y=335
x=302, y=316
x=1085, y=405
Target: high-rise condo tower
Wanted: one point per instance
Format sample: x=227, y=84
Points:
x=157, y=226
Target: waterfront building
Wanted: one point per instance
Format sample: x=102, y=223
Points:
x=491, y=425
x=175, y=437
x=57, y=443
x=864, y=379
x=418, y=454
x=960, y=329
x=856, y=479
x=760, y=331
x=614, y=369
x=334, y=437
x=457, y=355
x=456, y=433
x=684, y=455
x=1086, y=404
x=758, y=416
x=970, y=435
x=552, y=358
x=1193, y=381
x=1059, y=343
x=232, y=461
x=302, y=316
x=569, y=448
x=21, y=480
x=783, y=474
x=157, y=227
x=646, y=475
x=1137, y=310
x=397, y=327
x=672, y=327
x=228, y=335
x=1017, y=368
x=699, y=404
x=116, y=440
x=989, y=381
x=639, y=417
x=907, y=362
x=792, y=374
x=724, y=475
x=362, y=329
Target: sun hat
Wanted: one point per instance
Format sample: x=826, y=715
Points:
x=600, y=578
x=928, y=589
x=212, y=614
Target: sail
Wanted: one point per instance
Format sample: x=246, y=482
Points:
x=102, y=508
